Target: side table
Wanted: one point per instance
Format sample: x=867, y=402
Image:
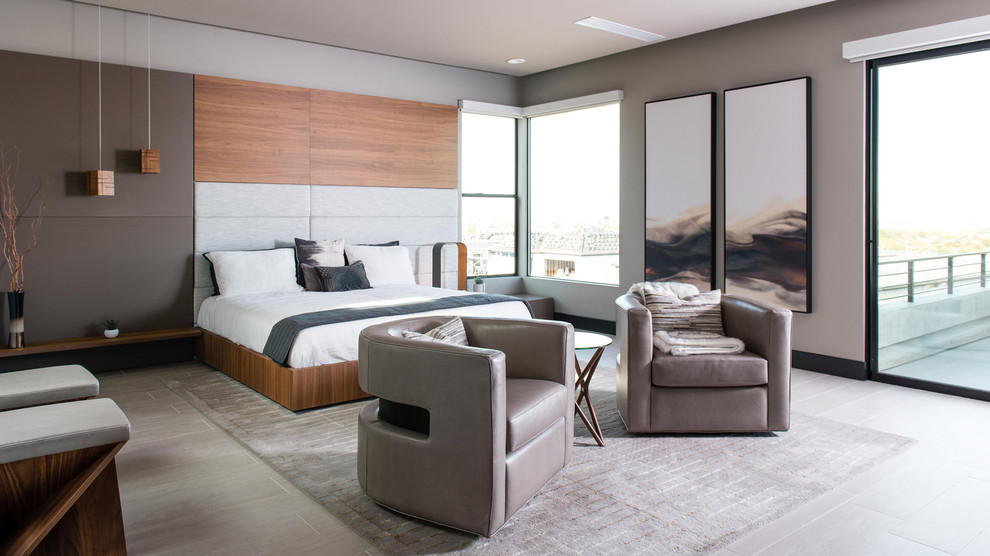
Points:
x=597, y=342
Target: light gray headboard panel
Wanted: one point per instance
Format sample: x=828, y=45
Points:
x=243, y=216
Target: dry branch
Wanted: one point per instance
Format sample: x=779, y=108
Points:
x=11, y=214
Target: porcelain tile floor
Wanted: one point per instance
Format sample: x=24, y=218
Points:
x=189, y=488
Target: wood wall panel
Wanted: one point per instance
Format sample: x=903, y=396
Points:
x=249, y=132
x=374, y=141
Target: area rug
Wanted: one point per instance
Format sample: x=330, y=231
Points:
x=640, y=494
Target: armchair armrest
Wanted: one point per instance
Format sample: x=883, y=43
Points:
x=634, y=332
x=766, y=330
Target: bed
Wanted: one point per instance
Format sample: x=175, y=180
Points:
x=319, y=367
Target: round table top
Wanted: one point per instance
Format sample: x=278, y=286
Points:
x=590, y=340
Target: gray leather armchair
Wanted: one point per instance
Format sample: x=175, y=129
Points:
x=464, y=436
x=749, y=392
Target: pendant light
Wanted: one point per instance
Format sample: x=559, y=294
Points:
x=151, y=159
x=100, y=182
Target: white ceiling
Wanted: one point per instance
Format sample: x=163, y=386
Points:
x=478, y=34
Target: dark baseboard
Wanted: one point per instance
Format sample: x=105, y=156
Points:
x=587, y=323
x=110, y=358
x=835, y=366
x=934, y=387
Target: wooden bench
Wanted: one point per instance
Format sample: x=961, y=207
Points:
x=58, y=479
x=46, y=385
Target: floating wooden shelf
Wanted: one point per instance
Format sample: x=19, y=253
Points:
x=90, y=342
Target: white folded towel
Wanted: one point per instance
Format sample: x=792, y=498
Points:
x=690, y=342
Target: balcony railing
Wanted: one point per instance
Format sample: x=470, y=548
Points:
x=909, y=277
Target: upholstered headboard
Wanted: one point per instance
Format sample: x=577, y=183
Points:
x=244, y=216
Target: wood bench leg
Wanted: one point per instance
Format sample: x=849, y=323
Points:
x=66, y=503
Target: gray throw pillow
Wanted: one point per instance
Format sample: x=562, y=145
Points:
x=343, y=278
x=450, y=332
x=316, y=253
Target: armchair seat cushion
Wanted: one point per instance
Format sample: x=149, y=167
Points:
x=531, y=407
x=708, y=371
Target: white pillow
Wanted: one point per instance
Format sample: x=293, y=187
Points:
x=241, y=272
x=384, y=265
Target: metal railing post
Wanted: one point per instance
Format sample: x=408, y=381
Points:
x=983, y=270
x=910, y=284
x=951, y=262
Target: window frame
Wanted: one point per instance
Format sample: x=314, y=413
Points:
x=573, y=105
x=872, y=68
x=514, y=195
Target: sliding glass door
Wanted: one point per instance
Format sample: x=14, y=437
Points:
x=930, y=170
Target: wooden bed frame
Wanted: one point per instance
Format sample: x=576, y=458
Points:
x=296, y=388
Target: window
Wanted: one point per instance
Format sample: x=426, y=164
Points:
x=574, y=195
x=930, y=232
x=488, y=193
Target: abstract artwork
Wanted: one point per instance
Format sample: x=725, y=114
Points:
x=680, y=170
x=767, y=193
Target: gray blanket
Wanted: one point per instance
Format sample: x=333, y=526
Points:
x=284, y=332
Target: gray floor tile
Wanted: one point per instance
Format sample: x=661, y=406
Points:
x=979, y=546
x=908, y=490
x=951, y=521
x=848, y=529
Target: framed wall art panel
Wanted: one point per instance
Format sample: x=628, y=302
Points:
x=680, y=184
x=768, y=193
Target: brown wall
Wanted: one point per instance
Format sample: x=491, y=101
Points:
x=248, y=132
x=128, y=256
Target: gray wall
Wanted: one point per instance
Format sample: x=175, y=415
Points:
x=807, y=42
x=128, y=256
x=71, y=30
x=131, y=256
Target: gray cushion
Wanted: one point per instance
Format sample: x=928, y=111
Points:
x=46, y=385
x=316, y=253
x=708, y=371
x=531, y=407
x=63, y=427
x=342, y=278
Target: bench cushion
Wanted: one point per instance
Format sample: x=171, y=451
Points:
x=46, y=385
x=531, y=407
x=51, y=429
x=708, y=371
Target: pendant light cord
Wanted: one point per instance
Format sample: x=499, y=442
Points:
x=149, y=80
x=99, y=65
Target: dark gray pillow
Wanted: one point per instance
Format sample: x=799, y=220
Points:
x=343, y=278
x=316, y=253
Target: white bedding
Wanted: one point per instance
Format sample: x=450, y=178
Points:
x=248, y=319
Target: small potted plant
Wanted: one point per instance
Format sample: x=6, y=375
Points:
x=111, y=328
x=479, y=284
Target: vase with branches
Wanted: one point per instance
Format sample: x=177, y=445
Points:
x=11, y=214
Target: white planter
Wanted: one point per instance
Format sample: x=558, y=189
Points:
x=111, y=333
x=479, y=288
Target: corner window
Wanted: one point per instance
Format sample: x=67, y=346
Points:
x=488, y=193
x=574, y=195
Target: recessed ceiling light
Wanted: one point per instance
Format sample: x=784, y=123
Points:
x=516, y=61
x=618, y=29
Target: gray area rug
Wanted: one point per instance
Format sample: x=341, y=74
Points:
x=641, y=494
